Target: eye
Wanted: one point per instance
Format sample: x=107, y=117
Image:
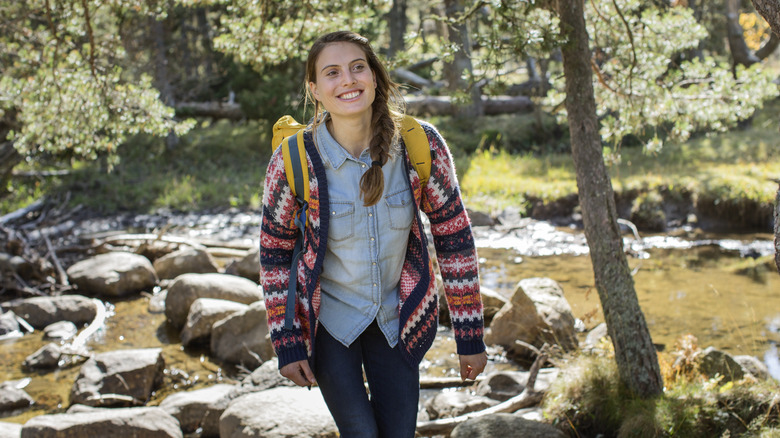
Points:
x=359, y=67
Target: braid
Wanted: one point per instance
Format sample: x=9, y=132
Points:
x=372, y=183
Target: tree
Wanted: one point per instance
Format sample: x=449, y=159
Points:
x=770, y=10
x=634, y=352
x=458, y=69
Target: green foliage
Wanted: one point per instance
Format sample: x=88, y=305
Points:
x=62, y=86
x=644, y=85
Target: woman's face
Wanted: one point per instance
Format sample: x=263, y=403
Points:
x=344, y=83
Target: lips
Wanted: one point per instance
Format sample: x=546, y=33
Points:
x=350, y=95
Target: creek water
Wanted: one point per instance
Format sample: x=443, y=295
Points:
x=717, y=288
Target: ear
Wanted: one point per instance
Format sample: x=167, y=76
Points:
x=314, y=91
x=374, y=75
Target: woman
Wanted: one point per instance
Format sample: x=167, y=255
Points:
x=367, y=298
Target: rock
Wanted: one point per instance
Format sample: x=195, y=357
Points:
x=42, y=311
x=10, y=430
x=248, y=267
x=118, y=378
x=113, y=274
x=713, y=361
x=204, y=312
x=504, y=425
x=538, y=313
x=8, y=323
x=278, y=413
x=510, y=216
x=754, y=366
x=595, y=336
x=456, y=403
x=480, y=219
x=189, y=287
x=266, y=376
x=502, y=385
x=46, y=357
x=12, y=398
x=146, y=422
x=199, y=409
x=184, y=261
x=492, y=302
x=60, y=331
x=243, y=337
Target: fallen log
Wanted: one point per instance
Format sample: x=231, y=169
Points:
x=447, y=382
x=22, y=212
x=443, y=105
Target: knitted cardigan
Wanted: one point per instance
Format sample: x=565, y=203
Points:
x=439, y=199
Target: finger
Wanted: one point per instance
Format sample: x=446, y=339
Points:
x=308, y=374
x=293, y=372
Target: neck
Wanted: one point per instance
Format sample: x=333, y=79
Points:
x=352, y=133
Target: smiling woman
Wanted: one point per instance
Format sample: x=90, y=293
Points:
x=366, y=295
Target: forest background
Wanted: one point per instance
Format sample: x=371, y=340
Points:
x=111, y=106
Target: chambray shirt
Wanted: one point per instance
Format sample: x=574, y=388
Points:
x=366, y=245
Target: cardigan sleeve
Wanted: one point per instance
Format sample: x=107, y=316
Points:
x=455, y=248
x=277, y=242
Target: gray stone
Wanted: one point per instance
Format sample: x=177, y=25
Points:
x=199, y=409
x=189, y=287
x=10, y=430
x=715, y=362
x=12, y=398
x=119, y=378
x=204, y=312
x=278, y=413
x=42, y=311
x=492, y=302
x=266, y=376
x=502, y=385
x=504, y=426
x=754, y=366
x=243, y=337
x=113, y=274
x=595, y=336
x=60, y=331
x=184, y=261
x=480, y=219
x=8, y=323
x=146, y=422
x=456, y=403
x=248, y=267
x=46, y=357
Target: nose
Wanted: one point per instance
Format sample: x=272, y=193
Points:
x=349, y=78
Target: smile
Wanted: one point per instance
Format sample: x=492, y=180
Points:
x=350, y=95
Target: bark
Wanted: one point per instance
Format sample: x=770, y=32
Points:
x=770, y=10
x=739, y=49
x=634, y=351
x=461, y=65
x=397, y=22
x=777, y=229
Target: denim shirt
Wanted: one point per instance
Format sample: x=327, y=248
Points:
x=366, y=245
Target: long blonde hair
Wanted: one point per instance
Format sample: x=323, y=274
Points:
x=387, y=109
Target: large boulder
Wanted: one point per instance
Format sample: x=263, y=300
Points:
x=42, y=311
x=504, y=425
x=189, y=287
x=538, y=313
x=243, y=337
x=278, y=413
x=118, y=378
x=147, y=422
x=204, y=312
x=113, y=274
x=248, y=267
x=10, y=430
x=199, y=409
x=266, y=376
x=184, y=261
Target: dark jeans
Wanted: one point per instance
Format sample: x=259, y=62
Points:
x=391, y=411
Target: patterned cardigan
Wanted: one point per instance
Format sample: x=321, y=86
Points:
x=439, y=199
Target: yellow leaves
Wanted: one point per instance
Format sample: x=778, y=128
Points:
x=756, y=29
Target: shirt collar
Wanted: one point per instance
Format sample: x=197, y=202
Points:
x=331, y=149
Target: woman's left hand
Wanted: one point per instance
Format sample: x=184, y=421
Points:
x=471, y=365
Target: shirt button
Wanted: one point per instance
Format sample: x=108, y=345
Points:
x=374, y=284
x=363, y=165
x=372, y=239
x=369, y=215
x=373, y=264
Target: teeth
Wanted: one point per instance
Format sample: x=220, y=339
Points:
x=351, y=95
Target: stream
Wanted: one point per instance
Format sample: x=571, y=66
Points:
x=716, y=287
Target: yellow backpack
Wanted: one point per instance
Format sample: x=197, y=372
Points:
x=288, y=134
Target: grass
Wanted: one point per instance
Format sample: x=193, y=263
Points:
x=589, y=400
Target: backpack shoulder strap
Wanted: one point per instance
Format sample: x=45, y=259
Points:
x=295, y=167
x=417, y=144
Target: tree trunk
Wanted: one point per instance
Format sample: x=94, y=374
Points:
x=740, y=52
x=770, y=10
x=777, y=229
x=634, y=352
x=397, y=22
x=461, y=63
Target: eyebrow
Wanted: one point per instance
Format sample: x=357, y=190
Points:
x=336, y=65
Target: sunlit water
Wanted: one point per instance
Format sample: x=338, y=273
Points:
x=708, y=286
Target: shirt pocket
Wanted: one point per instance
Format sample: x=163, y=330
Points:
x=400, y=209
x=342, y=220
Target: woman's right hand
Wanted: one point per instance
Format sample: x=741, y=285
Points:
x=299, y=372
